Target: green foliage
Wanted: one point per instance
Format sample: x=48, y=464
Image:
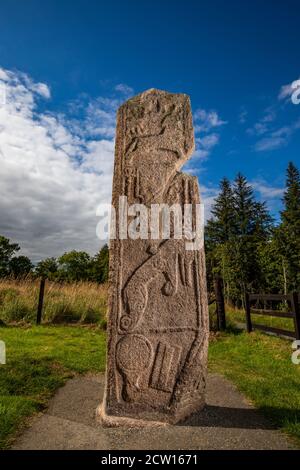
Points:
x=222, y=226
x=288, y=234
x=20, y=266
x=74, y=266
x=7, y=250
x=100, y=265
x=234, y=235
x=47, y=269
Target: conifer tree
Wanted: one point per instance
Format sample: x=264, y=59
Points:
x=288, y=234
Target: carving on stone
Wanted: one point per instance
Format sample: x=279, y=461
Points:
x=186, y=263
x=133, y=356
x=135, y=293
x=165, y=367
x=158, y=315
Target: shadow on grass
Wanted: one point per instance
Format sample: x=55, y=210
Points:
x=233, y=328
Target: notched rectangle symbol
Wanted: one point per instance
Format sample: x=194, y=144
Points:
x=165, y=367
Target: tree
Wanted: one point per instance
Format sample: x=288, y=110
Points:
x=221, y=226
x=219, y=230
x=47, y=269
x=20, y=266
x=234, y=235
x=253, y=227
x=291, y=199
x=7, y=250
x=288, y=234
x=74, y=266
x=100, y=265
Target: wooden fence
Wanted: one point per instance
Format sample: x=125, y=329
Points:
x=291, y=300
x=41, y=302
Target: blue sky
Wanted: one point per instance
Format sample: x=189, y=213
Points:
x=78, y=60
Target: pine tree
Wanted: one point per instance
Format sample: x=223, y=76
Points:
x=291, y=199
x=288, y=234
x=221, y=226
x=219, y=230
x=235, y=237
x=253, y=228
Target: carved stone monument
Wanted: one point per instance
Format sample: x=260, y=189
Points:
x=157, y=319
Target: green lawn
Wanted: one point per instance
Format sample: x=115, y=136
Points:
x=39, y=360
x=275, y=322
x=262, y=369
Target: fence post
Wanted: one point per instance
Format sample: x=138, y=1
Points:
x=248, y=313
x=41, y=301
x=296, y=311
x=220, y=305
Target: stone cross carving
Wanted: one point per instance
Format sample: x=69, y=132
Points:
x=157, y=319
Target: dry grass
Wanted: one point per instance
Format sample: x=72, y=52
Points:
x=82, y=302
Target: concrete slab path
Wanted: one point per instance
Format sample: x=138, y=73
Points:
x=228, y=422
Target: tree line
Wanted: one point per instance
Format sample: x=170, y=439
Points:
x=71, y=266
x=245, y=246
x=249, y=249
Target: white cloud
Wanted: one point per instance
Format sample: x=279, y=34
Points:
x=41, y=89
x=263, y=125
x=277, y=138
x=209, y=141
x=4, y=75
x=269, y=115
x=207, y=120
x=269, y=193
x=125, y=89
x=270, y=143
x=204, y=145
x=266, y=190
x=54, y=170
x=205, y=124
x=259, y=128
x=286, y=91
x=243, y=116
x=208, y=196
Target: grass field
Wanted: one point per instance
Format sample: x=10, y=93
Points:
x=40, y=359
x=81, y=302
x=239, y=316
x=261, y=367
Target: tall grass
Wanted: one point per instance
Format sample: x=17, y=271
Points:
x=81, y=302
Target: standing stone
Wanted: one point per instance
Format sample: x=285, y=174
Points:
x=158, y=318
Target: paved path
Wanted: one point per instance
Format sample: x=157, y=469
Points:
x=228, y=422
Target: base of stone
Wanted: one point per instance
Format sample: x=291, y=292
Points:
x=180, y=416
x=111, y=421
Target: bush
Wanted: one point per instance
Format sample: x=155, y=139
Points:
x=16, y=310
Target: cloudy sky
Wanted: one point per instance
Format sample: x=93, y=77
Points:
x=65, y=68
